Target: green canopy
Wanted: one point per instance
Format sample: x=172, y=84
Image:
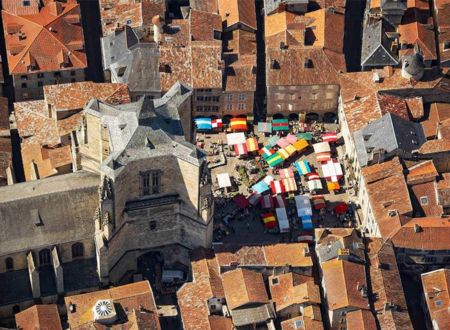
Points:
x=306, y=136
x=280, y=125
x=274, y=160
x=272, y=140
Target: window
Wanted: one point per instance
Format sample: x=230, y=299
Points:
x=151, y=182
x=241, y=106
x=73, y=73
x=424, y=200
x=329, y=96
x=229, y=107
x=26, y=3
x=40, y=83
x=299, y=324
x=40, y=75
x=447, y=45
x=213, y=307
x=241, y=97
x=314, y=96
x=275, y=281
x=152, y=225
x=446, y=260
x=44, y=257
x=57, y=74
x=9, y=263
x=77, y=250
x=129, y=21
x=438, y=303
x=24, y=77
x=217, y=35
x=73, y=80
x=229, y=97
x=199, y=98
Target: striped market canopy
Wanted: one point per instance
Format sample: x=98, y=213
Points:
x=289, y=184
x=302, y=167
x=329, y=137
x=240, y=149
x=238, y=124
x=280, y=125
x=277, y=187
x=315, y=185
x=269, y=220
x=274, y=160
x=252, y=144
x=266, y=152
x=282, y=143
x=323, y=157
x=217, y=123
x=272, y=140
x=283, y=154
x=286, y=173
x=290, y=149
x=291, y=138
x=254, y=198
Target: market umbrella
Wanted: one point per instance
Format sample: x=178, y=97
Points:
x=313, y=176
x=315, y=185
x=302, y=167
x=264, y=127
x=341, y=208
x=274, y=160
x=280, y=125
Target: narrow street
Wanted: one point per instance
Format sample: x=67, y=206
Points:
x=260, y=94
x=353, y=34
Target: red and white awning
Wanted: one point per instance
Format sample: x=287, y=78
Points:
x=329, y=137
x=240, y=149
x=332, y=170
x=277, y=187
x=289, y=184
x=323, y=157
x=217, y=123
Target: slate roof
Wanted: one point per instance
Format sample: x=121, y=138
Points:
x=376, y=45
x=270, y=6
x=131, y=62
x=330, y=240
x=50, y=39
x=391, y=134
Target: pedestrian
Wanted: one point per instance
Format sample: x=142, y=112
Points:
x=248, y=226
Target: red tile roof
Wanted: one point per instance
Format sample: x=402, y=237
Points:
x=439, y=112
x=238, y=11
x=432, y=234
x=418, y=34
x=244, y=287
x=203, y=25
x=424, y=171
x=443, y=27
x=39, y=317
x=308, y=323
x=51, y=40
x=344, y=282
x=361, y=319
x=209, y=6
x=135, y=297
x=436, y=286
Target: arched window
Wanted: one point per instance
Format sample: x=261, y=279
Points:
x=44, y=257
x=77, y=250
x=9, y=262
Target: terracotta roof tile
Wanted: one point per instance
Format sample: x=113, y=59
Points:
x=131, y=297
x=415, y=107
x=308, y=323
x=39, y=317
x=344, y=281
x=75, y=96
x=328, y=28
x=361, y=320
x=424, y=171
x=220, y=323
x=418, y=34
x=203, y=25
x=441, y=143
x=115, y=16
x=433, y=234
x=240, y=75
x=436, y=286
x=209, y=6
x=443, y=27
x=240, y=42
x=386, y=285
x=293, y=289
x=47, y=33
x=244, y=287
x=238, y=11
x=5, y=158
x=276, y=255
x=392, y=104
x=439, y=112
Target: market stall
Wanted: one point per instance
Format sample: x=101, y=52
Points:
x=217, y=124
x=274, y=160
x=238, y=124
x=240, y=149
x=332, y=170
x=280, y=125
x=282, y=143
x=224, y=180
x=277, y=187
x=314, y=182
x=267, y=202
x=280, y=200
x=305, y=136
x=286, y=173
x=269, y=220
x=203, y=124
x=318, y=202
x=260, y=187
x=302, y=167
x=341, y=208
x=283, y=220
x=252, y=144
x=254, y=198
x=272, y=141
x=289, y=184
x=301, y=144
x=329, y=137
x=291, y=138
x=304, y=211
x=264, y=127
x=240, y=201
x=235, y=138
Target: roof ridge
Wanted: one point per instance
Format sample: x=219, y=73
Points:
x=64, y=13
x=345, y=282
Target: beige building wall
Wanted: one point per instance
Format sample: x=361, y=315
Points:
x=237, y=103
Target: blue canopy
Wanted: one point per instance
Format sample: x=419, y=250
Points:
x=260, y=187
x=302, y=167
x=307, y=223
x=203, y=124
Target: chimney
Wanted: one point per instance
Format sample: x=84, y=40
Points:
x=158, y=23
x=417, y=228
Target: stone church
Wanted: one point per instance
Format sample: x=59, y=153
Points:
x=143, y=191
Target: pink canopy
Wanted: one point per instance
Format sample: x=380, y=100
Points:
x=283, y=143
x=329, y=137
x=291, y=138
x=286, y=173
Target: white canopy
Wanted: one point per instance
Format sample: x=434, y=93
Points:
x=332, y=170
x=224, y=180
x=268, y=179
x=236, y=138
x=321, y=147
x=282, y=219
x=303, y=205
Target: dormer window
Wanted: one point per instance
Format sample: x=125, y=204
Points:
x=447, y=45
